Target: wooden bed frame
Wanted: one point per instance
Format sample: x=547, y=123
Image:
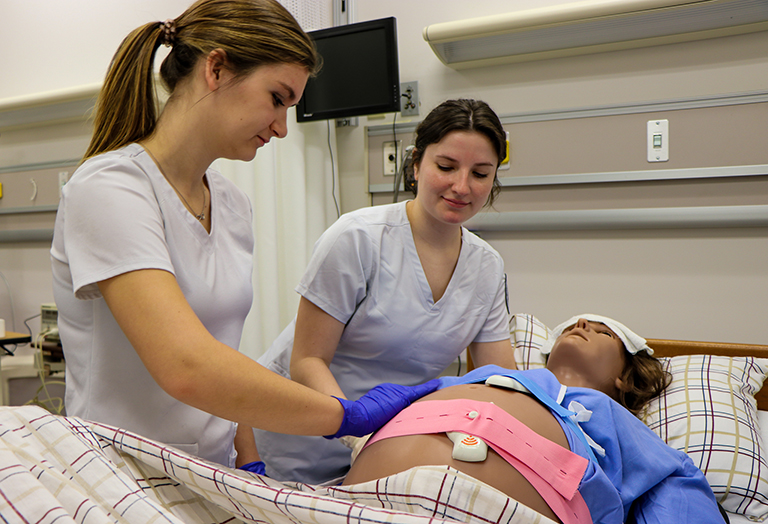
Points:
x=671, y=348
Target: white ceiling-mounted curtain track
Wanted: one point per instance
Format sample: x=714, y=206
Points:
x=590, y=26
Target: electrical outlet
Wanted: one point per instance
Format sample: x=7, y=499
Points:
x=392, y=157
x=409, y=98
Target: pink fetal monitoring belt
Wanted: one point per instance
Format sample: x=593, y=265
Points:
x=552, y=470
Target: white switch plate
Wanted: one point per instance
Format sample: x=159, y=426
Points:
x=658, y=140
x=392, y=157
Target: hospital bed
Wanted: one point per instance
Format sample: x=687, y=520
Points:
x=67, y=470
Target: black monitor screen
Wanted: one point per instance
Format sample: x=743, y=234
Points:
x=360, y=74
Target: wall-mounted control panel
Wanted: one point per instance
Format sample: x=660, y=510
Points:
x=393, y=157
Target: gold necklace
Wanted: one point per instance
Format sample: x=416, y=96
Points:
x=201, y=215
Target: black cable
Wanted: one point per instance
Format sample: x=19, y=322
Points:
x=333, y=171
x=458, y=374
x=29, y=329
x=397, y=179
x=16, y=346
x=506, y=293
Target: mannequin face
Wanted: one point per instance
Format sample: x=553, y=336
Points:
x=589, y=355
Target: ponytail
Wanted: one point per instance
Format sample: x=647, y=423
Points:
x=251, y=33
x=126, y=110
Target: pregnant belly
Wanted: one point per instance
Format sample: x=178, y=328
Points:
x=393, y=455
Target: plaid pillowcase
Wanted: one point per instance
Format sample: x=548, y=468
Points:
x=709, y=412
x=528, y=333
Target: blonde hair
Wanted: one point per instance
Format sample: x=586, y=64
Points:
x=251, y=33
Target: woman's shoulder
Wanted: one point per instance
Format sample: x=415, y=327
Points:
x=124, y=161
x=478, y=244
x=386, y=215
x=360, y=231
x=126, y=155
x=370, y=221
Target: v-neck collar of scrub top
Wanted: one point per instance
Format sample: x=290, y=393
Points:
x=421, y=276
x=168, y=193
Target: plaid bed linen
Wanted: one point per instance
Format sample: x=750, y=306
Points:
x=709, y=412
x=63, y=469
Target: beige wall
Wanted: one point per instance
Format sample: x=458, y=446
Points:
x=693, y=283
x=52, y=46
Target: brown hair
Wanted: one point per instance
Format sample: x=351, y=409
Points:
x=458, y=115
x=251, y=33
x=644, y=378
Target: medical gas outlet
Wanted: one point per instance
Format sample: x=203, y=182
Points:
x=393, y=157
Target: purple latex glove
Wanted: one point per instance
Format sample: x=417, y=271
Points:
x=257, y=467
x=374, y=409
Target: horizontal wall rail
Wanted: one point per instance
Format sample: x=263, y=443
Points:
x=639, y=218
x=26, y=235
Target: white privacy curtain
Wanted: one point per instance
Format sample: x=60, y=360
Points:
x=290, y=186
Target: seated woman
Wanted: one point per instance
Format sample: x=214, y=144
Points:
x=564, y=440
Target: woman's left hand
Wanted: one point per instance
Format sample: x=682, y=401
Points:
x=378, y=406
x=256, y=466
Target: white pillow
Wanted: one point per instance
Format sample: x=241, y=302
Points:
x=709, y=412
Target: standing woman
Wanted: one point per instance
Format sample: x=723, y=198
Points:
x=395, y=293
x=152, y=252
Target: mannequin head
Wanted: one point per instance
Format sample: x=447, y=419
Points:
x=589, y=354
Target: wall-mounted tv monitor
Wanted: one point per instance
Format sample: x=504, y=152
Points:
x=360, y=74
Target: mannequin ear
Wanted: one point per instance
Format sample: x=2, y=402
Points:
x=216, y=69
x=621, y=385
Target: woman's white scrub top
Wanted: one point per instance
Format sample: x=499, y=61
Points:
x=119, y=214
x=365, y=272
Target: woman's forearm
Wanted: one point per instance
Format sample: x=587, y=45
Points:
x=231, y=385
x=314, y=373
x=316, y=337
x=189, y=364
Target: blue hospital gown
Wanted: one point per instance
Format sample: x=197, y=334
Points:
x=640, y=478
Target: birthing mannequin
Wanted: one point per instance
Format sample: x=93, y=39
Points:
x=597, y=368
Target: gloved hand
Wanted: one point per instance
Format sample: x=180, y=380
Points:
x=257, y=467
x=375, y=408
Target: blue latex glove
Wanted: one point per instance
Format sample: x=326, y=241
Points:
x=374, y=409
x=257, y=467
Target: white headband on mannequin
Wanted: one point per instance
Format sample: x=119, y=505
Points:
x=632, y=342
